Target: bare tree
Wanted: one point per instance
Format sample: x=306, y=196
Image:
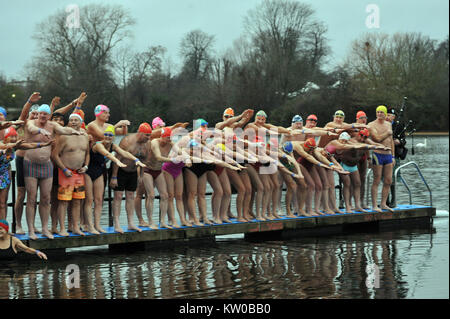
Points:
x=196, y=49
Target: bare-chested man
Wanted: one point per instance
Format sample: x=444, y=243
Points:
x=338, y=125
x=71, y=155
x=97, y=127
x=382, y=161
x=38, y=168
x=126, y=178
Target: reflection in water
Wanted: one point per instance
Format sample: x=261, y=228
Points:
x=307, y=268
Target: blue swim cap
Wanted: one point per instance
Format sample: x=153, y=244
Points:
x=288, y=147
x=44, y=108
x=3, y=111
x=297, y=118
x=193, y=143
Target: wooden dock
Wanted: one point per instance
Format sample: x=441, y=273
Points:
x=404, y=215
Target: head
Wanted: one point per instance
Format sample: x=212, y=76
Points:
x=75, y=121
x=44, y=113
x=4, y=227
x=297, y=122
x=260, y=117
x=339, y=117
x=109, y=134
x=157, y=123
x=228, y=113
x=344, y=137
x=101, y=112
x=391, y=114
x=10, y=135
x=3, y=113
x=362, y=135
x=361, y=117
x=144, y=133
x=58, y=118
x=33, y=114
x=309, y=145
x=287, y=147
x=381, y=112
x=193, y=145
x=311, y=121
x=166, y=133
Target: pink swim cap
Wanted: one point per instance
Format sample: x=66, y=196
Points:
x=99, y=109
x=157, y=122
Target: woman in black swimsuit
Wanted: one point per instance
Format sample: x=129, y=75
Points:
x=9, y=245
x=95, y=184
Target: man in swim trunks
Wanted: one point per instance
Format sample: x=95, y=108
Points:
x=126, y=178
x=382, y=161
x=71, y=155
x=38, y=168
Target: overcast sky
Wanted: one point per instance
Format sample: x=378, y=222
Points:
x=164, y=22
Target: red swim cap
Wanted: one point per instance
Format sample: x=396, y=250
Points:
x=310, y=143
x=311, y=117
x=166, y=132
x=360, y=114
x=145, y=128
x=364, y=132
x=10, y=131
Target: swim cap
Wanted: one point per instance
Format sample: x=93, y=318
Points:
x=364, y=132
x=261, y=113
x=382, y=108
x=311, y=117
x=157, y=122
x=229, y=111
x=297, y=118
x=344, y=136
x=310, y=143
x=145, y=128
x=110, y=129
x=34, y=107
x=10, y=131
x=360, y=114
x=4, y=224
x=77, y=116
x=166, y=132
x=3, y=111
x=199, y=122
x=80, y=113
x=44, y=108
x=288, y=147
x=339, y=113
x=221, y=146
x=193, y=143
x=99, y=109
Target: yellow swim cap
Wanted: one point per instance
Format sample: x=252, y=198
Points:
x=110, y=129
x=221, y=146
x=382, y=108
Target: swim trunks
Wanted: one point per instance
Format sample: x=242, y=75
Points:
x=154, y=173
x=37, y=170
x=126, y=181
x=71, y=187
x=381, y=159
x=174, y=169
x=349, y=168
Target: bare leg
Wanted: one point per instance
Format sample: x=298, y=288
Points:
x=275, y=194
x=129, y=207
x=265, y=179
x=248, y=194
x=18, y=209
x=310, y=186
x=76, y=209
x=356, y=189
x=201, y=200
x=88, y=201
x=318, y=189
x=54, y=209
x=140, y=191
x=191, y=188
x=259, y=186
x=217, y=195
x=149, y=198
x=179, y=185
x=387, y=181
x=362, y=167
x=346, y=182
x=99, y=189
x=238, y=184
x=44, y=205
x=377, y=170
x=116, y=206
x=160, y=183
x=62, y=209
x=31, y=186
x=326, y=190
x=226, y=197
x=291, y=190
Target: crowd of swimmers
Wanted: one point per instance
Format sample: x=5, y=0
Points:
x=68, y=164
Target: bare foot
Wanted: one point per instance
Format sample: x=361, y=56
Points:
x=377, y=209
x=92, y=230
x=175, y=225
x=226, y=220
x=144, y=224
x=63, y=233
x=387, y=208
x=230, y=215
x=54, y=231
x=360, y=209
x=260, y=218
x=47, y=234
x=78, y=232
x=197, y=223
x=32, y=236
x=186, y=223
x=134, y=227
x=118, y=230
x=329, y=212
x=276, y=216
x=20, y=231
x=165, y=226
x=349, y=211
x=101, y=230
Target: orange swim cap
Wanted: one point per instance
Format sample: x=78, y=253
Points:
x=360, y=114
x=310, y=143
x=145, y=128
x=229, y=111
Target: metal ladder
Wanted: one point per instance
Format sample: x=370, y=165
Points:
x=398, y=176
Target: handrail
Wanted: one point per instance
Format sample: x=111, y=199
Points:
x=397, y=171
x=368, y=188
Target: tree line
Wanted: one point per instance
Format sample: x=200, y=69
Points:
x=276, y=65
